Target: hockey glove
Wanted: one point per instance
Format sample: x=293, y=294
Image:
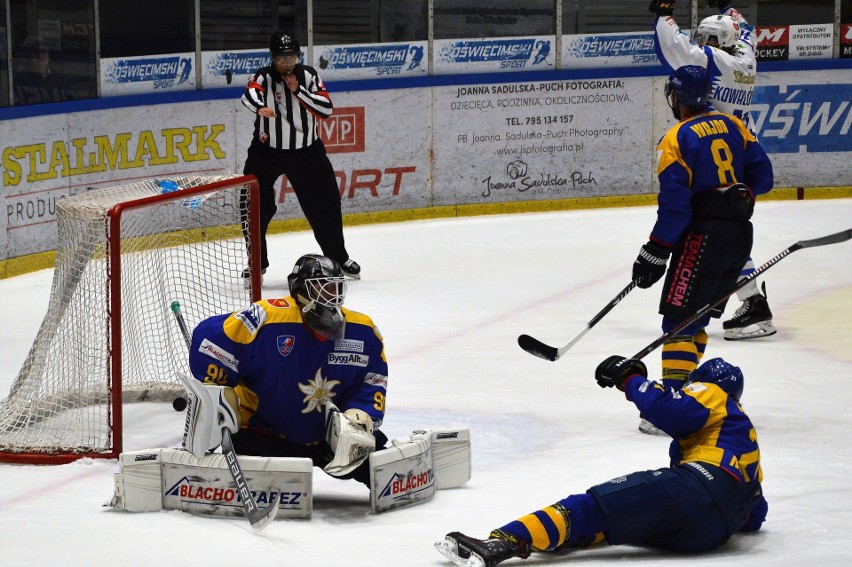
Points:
x=615, y=370
x=650, y=264
x=662, y=7
x=723, y=5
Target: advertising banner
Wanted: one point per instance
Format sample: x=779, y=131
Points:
x=608, y=50
x=490, y=55
x=546, y=140
x=803, y=118
x=379, y=143
x=226, y=68
x=147, y=74
x=811, y=41
x=370, y=61
x=63, y=155
x=846, y=41
x=773, y=43
x=411, y=148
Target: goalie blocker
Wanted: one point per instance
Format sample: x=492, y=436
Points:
x=407, y=473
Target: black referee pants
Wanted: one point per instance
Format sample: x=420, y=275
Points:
x=311, y=175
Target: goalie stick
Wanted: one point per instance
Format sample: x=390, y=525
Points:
x=258, y=518
x=537, y=348
x=841, y=236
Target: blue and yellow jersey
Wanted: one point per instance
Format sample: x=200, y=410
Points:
x=705, y=423
x=282, y=371
x=703, y=153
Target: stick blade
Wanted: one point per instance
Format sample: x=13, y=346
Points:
x=537, y=348
x=263, y=518
x=841, y=236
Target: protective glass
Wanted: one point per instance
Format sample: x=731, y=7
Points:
x=285, y=59
x=326, y=291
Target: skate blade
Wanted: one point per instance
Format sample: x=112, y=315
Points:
x=762, y=329
x=449, y=549
x=649, y=428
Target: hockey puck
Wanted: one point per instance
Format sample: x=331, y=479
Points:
x=179, y=404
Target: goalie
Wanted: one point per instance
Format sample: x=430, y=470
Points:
x=298, y=376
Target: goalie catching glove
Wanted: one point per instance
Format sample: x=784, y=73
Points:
x=722, y=5
x=209, y=409
x=350, y=436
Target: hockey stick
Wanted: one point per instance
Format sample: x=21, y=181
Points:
x=258, y=518
x=537, y=348
x=841, y=236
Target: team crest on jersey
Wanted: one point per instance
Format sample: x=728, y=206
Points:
x=279, y=302
x=285, y=344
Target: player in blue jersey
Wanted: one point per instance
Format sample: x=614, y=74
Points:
x=310, y=375
x=710, y=167
x=724, y=45
x=710, y=491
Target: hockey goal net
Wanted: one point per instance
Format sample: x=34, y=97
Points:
x=124, y=254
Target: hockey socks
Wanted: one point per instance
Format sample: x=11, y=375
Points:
x=575, y=521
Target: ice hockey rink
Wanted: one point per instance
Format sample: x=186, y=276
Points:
x=451, y=297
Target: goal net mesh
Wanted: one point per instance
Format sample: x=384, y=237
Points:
x=186, y=244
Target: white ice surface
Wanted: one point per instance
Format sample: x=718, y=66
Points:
x=451, y=297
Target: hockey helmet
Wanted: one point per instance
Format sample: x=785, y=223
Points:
x=723, y=374
x=725, y=29
x=281, y=43
x=319, y=288
x=691, y=84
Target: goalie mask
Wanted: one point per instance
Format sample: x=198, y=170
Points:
x=319, y=288
x=724, y=29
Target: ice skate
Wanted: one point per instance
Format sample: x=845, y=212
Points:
x=247, y=277
x=752, y=320
x=649, y=428
x=351, y=269
x=470, y=552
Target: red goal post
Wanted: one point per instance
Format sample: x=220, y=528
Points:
x=124, y=253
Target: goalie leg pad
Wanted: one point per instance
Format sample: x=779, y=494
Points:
x=139, y=482
x=402, y=474
x=450, y=456
x=172, y=479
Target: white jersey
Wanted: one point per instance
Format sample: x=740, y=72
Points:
x=732, y=76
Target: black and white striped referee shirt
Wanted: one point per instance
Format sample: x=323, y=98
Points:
x=295, y=125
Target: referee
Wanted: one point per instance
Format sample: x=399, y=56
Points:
x=287, y=99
